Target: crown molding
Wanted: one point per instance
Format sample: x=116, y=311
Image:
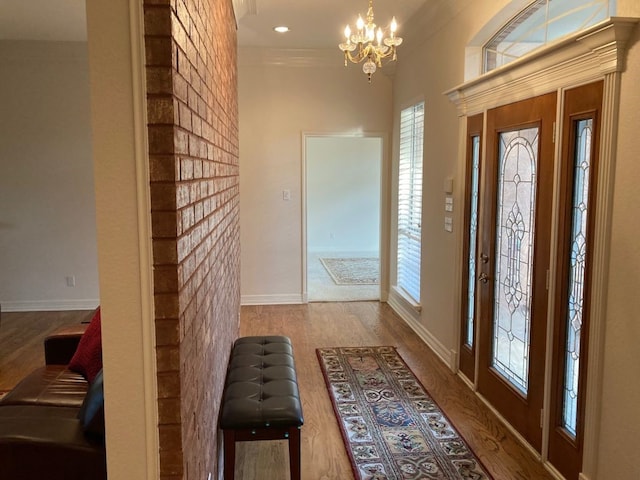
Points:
x=290, y=57
x=580, y=58
x=301, y=58
x=242, y=8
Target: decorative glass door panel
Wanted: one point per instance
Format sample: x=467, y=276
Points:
x=473, y=240
x=514, y=248
x=468, y=309
x=582, y=165
x=515, y=233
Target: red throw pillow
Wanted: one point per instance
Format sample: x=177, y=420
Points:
x=88, y=357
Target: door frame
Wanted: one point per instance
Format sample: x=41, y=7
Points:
x=594, y=54
x=385, y=199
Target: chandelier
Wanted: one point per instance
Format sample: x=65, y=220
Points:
x=368, y=45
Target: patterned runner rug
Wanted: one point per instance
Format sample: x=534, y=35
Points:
x=391, y=427
x=353, y=271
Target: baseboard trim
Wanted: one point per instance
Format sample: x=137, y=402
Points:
x=412, y=318
x=49, y=305
x=290, y=299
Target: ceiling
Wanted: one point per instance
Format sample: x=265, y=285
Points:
x=313, y=23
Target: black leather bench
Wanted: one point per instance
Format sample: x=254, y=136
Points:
x=261, y=400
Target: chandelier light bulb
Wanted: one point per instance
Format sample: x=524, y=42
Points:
x=360, y=23
x=394, y=26
x=347, y=33
x=379, y=36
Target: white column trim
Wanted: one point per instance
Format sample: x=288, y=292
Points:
x=150, y=375
x=600, y=269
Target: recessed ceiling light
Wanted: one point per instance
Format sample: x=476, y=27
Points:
x=281, y=29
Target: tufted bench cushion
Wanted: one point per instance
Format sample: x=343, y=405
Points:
x=261, y=399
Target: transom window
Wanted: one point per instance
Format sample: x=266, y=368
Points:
x=543, y=21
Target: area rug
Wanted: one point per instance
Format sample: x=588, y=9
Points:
x=391, y=427
x=353, y=271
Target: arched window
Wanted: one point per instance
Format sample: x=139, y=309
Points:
x=541, y=22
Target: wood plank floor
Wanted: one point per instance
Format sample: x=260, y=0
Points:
x=324, y=457
x=21, y=340
x=313, y=326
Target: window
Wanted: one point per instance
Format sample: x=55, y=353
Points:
x=543, y=21
x=410, y=200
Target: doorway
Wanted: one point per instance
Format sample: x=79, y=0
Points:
x=343, y=178
x=513, y=343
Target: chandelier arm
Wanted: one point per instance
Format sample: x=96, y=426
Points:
x=357, y=58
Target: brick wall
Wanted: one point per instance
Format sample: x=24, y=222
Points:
x=193, y=154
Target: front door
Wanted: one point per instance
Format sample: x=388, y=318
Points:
x=514, y=238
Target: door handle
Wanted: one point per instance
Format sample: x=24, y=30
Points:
x=484, y=278
x=484, y=258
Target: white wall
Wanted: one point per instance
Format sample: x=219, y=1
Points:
x=277, y=104
x=343, y=194
x=425, y=71
x=47, y=213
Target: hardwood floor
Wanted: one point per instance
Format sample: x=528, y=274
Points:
x=21, y=341
x=312, y=326
x=360, y=324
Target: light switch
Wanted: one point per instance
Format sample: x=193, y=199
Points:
x=448, y=185
x=448, y=204
x=448, y=224
x=286, y=195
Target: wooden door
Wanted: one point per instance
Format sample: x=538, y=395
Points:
x=514, y=241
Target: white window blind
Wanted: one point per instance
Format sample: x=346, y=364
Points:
x=410, y=200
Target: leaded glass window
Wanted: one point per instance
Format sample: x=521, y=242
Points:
x=473, y=238
x=580, y=205
x=518, y=160
x=543, y=21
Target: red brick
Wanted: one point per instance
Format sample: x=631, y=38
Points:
x=158, y=51
x=169, y=411
x=163, y=196
x=162, y=168
x=157, y=20
x=161, y=139
x=193, y=122
x=168, y=359
x=161, y=109
x=159, y=80
x=165, y=252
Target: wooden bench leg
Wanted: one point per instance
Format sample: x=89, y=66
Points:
x=229, y=454
x=294, y=452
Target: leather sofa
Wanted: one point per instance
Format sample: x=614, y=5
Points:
x=52, y=422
